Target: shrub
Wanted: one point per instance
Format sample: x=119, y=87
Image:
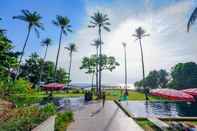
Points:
x=26, y=118
x=62, y=120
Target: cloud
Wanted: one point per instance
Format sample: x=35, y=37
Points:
x=167, y=45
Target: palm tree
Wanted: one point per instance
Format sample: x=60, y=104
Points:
x=71, y=48
x=139, y=34
x=125, y=60
x=96, y=44
x=64, y=24
x=100, y=21
x=33, y=21
x=192, y=19
x=2, y=31
x=45, y=43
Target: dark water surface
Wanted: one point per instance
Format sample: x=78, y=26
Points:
x=161, y=108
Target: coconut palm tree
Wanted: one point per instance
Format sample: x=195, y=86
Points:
x=2, y=31
x=71, y=48
x=192, y=19
x=100, y=21
x=45, y=43
x=125, y=60
x=33, y=20
x=96, y=44
x=139, y=34
x=64, y=24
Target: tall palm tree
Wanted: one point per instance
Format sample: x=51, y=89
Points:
x=33, y=20
x=96, y=44
x=64, y=24
x=139, y=34
x=125, y=60
x=45, y=43
x=192, y=19
x=71, y=48
x=2, y=31
x=100, y=21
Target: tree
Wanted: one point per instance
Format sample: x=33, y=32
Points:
x=139, y=34
x=33, y=20
x=184, y=75
x=155, y=79
x=192, y=19
x=107, y=63
x=96, y=43
x=31, y=70
x=8, y=61
x=64, y=24
x=163, y=78
x=45, y=43
x=71, y=48
x=125, y=60
x=2, y=31
x=100, y=21
x=89, y=64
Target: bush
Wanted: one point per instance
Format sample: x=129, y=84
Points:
x=62, y=120
x=26, y=118
x=22, y=86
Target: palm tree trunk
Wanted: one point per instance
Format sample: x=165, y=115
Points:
x=41, y=70
x=56, y=63
x=125, y=57
x=70, y=64
x=92, y=80
x=143, y=72
x=97, y=55
x=23, y=50
x=100, y=62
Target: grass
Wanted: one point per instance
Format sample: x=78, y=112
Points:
x=147, y=125
x=133, y=95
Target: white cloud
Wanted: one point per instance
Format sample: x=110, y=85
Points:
x=167, y=45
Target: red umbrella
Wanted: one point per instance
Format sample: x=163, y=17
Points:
x=191, y=91
x=172, y=94
x=53, y=86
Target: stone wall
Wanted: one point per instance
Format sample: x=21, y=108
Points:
x=48, y=125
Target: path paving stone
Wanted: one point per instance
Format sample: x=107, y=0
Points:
x=93, y=117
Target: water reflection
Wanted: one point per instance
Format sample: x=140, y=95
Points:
x=161, y=108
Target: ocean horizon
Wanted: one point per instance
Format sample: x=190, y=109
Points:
x=112, y=85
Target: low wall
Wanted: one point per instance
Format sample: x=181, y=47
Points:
x=47, y=125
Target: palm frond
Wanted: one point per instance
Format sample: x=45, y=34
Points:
x=192, y=19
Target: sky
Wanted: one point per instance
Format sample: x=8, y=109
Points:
x=165, y=21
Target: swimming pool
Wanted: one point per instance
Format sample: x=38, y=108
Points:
x=161, y=108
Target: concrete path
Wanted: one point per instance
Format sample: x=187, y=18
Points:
x=93, y=117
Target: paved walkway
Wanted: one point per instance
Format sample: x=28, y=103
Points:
x=95, y=118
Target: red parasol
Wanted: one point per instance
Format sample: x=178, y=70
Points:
x=172, y=94
x=53, y=86
x=191, y=91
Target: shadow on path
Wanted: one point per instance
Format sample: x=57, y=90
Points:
x=111, y=120
x=96, y=112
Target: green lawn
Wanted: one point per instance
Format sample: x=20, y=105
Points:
x=133, y=95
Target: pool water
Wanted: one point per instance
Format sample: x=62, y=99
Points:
x=161, y=108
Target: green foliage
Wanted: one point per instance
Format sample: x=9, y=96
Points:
x=21, y=86
x=184, y=75
x=26, y=118
x=62, y=120
x=31, y=70
x=155, y=79
x=107, y=63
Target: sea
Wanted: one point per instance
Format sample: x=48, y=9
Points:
x=105, y=85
